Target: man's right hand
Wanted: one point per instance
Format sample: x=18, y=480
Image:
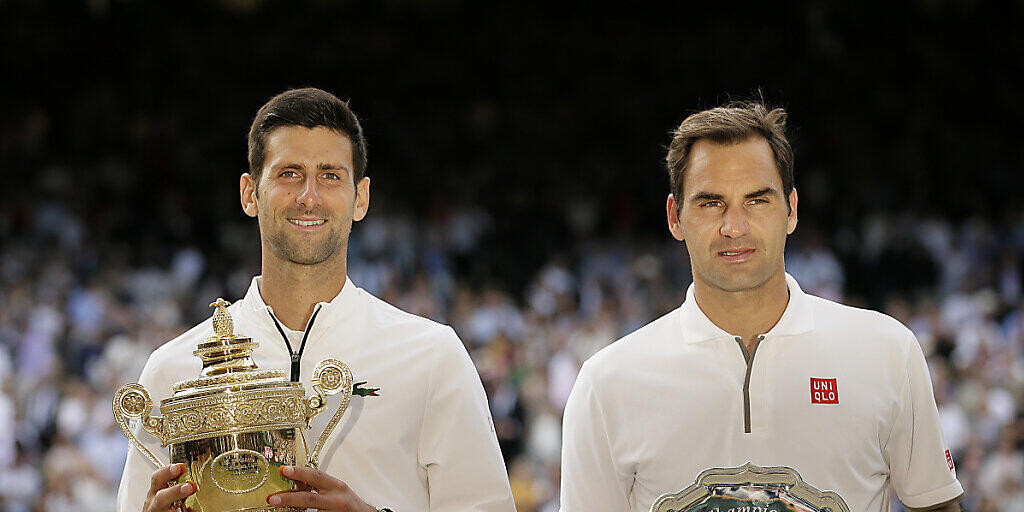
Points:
x=161, y=498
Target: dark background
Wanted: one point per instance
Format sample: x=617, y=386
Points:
x=524, y=110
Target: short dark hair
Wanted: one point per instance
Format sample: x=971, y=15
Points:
x=729, y=124
x=309, y=107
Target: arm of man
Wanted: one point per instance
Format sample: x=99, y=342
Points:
x=137, y=481
x=457, y=446
x=952, y=506
x=591, y=479
x=920, y=466
x=141, y=481
x=134, y=491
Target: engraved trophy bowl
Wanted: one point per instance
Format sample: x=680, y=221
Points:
x=234, y=425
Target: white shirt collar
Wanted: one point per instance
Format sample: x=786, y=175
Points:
x=340, y=306
x=797, y=318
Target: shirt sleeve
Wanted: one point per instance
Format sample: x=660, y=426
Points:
x=131, y=493
x=458, y=447
x=591, y=480
x=920, y=464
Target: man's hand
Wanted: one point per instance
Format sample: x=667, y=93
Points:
x=162, y=498
x=329, y=492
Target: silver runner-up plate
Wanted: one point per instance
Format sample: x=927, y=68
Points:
x=750, y=488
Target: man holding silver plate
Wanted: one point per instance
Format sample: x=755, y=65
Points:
x=411, y=429
x=752, y=395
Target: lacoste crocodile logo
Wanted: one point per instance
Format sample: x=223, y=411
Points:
x=358, y=391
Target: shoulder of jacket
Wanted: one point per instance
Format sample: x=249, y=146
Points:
x=382, y=314
x=867, y=324
x=184, y=343
x=641, y=344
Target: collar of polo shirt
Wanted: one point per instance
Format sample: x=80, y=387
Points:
x=797, y=319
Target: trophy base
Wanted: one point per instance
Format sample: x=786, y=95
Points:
x=236, y=472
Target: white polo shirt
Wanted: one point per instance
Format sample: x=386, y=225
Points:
x=653, y=410
x=425, y=443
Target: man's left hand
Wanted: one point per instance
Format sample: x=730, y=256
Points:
x=328, y=493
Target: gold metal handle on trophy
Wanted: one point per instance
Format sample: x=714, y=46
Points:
x=133, y=401
x=330, y=377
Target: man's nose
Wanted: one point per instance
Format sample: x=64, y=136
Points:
x=734, y=223
x=310, y=195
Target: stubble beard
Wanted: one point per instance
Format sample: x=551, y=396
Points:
x=741, y=279
x=307, y=252
x=734, y=282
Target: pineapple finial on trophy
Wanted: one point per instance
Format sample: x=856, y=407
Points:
x=225, y=351
x=223, y=327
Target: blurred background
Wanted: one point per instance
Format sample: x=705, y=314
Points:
x=518, y=194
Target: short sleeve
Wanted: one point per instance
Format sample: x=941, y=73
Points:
x=920, y=464
x=591, y=481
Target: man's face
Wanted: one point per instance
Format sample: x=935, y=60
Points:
x=306, y=199
x=733, y=216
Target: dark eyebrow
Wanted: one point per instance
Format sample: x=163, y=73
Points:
x=758, y=193
x=332, y=167
x=321, y=167
x=708, y=196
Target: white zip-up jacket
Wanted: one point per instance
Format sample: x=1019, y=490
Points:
x=426, y=442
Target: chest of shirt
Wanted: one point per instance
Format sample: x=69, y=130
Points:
x=374, y=446
x=391, y=380
x=822, y=410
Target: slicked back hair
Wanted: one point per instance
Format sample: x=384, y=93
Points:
x=309, y=108
x=730, y=124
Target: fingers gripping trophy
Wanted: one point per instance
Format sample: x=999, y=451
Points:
x=234, y=426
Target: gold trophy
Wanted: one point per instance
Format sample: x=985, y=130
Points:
x=234, y=426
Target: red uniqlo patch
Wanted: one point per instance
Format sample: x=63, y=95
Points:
x=824, y=391
x=949, y=460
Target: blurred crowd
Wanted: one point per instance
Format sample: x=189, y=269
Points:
x=78, y=318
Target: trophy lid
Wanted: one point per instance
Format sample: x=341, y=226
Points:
x=231, y=394
x=227, y=358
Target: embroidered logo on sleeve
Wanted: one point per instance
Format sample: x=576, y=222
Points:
x=949, y=460
x=824, y=391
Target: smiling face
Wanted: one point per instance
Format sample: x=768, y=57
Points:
x=306, y=199
x=733, y=215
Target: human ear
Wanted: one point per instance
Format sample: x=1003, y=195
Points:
x=247, y=194
x=362, y=202
x=672, y=213
x=792, y=217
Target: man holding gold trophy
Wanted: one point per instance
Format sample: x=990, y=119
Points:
x=412, y=429
x=752, y=395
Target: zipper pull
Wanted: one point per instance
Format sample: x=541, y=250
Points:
x=295, y=367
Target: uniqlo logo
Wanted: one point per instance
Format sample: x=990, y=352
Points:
x=824, y=391
x=949, y=460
